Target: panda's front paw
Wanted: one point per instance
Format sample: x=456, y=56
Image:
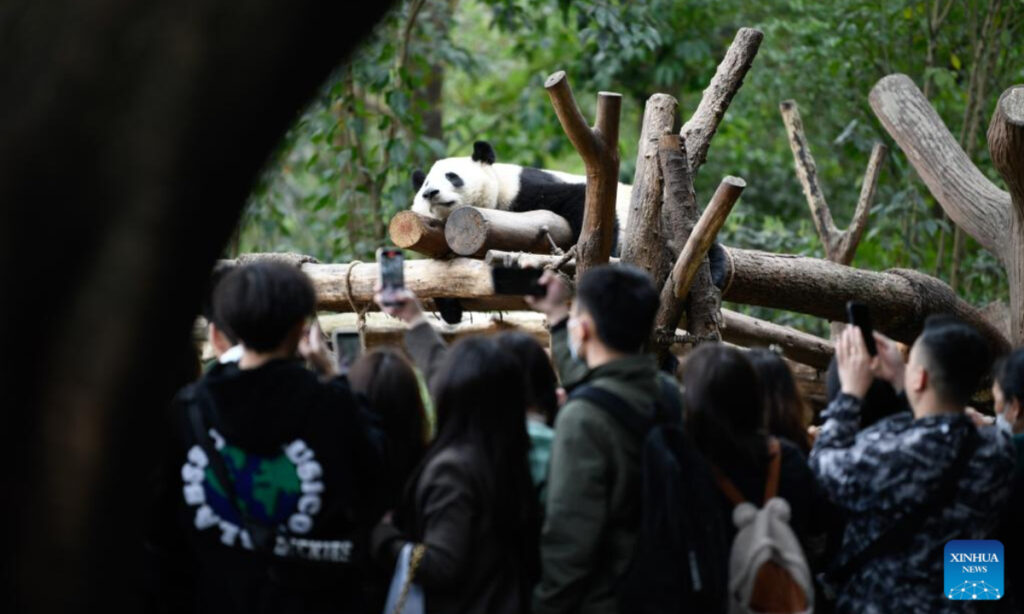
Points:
x=450, y=309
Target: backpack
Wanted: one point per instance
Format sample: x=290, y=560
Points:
x=767, y=568
x=678, y=563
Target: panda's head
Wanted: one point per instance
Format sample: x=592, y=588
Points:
x=455, y=182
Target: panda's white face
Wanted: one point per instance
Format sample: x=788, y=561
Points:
x=455, y=182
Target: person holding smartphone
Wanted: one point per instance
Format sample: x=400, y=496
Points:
x=914, y=480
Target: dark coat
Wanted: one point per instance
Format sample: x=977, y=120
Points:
x=469, y=566
x=301, y=456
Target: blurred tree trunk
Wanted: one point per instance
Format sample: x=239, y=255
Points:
x=132, y=134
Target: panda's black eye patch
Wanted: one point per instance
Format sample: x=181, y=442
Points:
x=455, y=179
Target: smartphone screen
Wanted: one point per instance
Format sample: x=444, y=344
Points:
x=347, y=347
x=520, y=282
x=392, y=277
x=858, y=314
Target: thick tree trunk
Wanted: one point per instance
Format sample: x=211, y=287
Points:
x=471, y=231
x=420, y=233
x=599, y=148
x=1006, y=145
x=974, y=203
x=136, y=131
x=899, y=299
x=646, y=241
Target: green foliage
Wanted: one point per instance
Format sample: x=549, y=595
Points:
x=344, y=168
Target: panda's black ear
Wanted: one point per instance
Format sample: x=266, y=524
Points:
x=483, y=152
x=418, y=177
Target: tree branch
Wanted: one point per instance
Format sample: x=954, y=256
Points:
x=728, y=79
x=807, y=173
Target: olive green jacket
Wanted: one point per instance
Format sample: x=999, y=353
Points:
x=593, y=491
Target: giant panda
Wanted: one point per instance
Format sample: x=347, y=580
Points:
x=479, y=181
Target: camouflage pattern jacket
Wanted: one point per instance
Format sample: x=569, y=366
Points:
x=877, y=475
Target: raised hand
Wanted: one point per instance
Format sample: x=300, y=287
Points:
x=555, y=303
x=889, y=364
x=854, y=363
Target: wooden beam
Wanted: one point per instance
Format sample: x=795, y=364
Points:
x=797, y=345
x=1006, y=146
x=380, y=329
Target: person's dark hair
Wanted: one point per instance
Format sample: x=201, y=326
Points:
x=388, y=383
x=623, y=301
x=262, y=302
x=216, y=275
x=480, y=403
x=956, y=355
x=1009, y=375
x=786, y=412
x=722, y=397
x=541, y=382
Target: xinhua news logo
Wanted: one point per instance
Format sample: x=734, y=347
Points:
x=973, y=569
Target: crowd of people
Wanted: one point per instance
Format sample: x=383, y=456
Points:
x=579, y=478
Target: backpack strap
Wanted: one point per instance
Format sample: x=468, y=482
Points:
x=771, y=482
x=261, y=536
x=613, y=404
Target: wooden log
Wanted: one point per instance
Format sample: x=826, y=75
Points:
x=646, y=243
x=521, y=260
x=972, y=201
x=381, y=329
x=702, y=125
x=677, y=286
x=995, y=218
x=1006, y=146
x=797, y=345
x=471, y=231
x=599, y=148
x=420, y=233
x=899, y=299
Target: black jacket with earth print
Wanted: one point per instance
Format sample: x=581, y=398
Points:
x=301, y=455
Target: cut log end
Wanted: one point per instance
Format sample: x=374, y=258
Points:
x=420, y=233
x=554, y=78
x=1011, y=103
x=734, y=182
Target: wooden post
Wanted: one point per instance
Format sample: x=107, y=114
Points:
x=839, y=245
x=420, y=233
x=599, y=148
x=471, y=231
x=1006, y=146
x=677, y=286
x=646, y=240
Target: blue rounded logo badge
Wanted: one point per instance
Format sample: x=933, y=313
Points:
x=973, y=570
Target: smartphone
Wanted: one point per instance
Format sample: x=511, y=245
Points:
x=347, y=347
x=391, y=264
x=858, y=314
x=519, y=282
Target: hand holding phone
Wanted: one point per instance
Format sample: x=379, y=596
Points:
x=858, y=314
x=391, y=264
x=347, y=347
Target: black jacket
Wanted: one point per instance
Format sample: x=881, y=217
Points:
x=303, y=457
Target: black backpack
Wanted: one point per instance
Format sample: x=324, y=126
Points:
x=680, y=561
